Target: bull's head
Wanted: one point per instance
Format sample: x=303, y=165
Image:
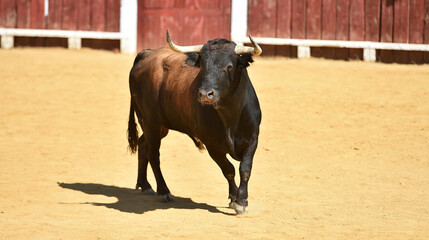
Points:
x=221, y=63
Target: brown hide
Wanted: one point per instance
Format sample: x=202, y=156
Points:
x=164, y=85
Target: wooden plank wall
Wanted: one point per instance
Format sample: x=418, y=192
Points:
x=401, y=21
x=88, y=15
x=189, y=21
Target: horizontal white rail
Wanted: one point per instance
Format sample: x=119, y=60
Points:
x=59, y=33
x=368, y=47
x=127, y=34
x=340, y=44
x=74, y=37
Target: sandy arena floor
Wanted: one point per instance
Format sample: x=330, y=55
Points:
x=343, y=154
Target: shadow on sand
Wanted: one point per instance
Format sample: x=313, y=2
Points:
x=130, y=201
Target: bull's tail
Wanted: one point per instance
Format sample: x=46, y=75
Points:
x=132, y=133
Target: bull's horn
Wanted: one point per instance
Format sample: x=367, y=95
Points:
x=255, y=50
x=182, y=49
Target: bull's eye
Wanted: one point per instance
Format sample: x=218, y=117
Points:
x=229, y=67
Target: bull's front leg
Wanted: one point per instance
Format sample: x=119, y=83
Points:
x=240, y=205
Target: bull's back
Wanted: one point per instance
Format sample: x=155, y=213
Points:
x=163, y=87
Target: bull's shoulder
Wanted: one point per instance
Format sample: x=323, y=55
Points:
x=157, y=61
x=151, y=57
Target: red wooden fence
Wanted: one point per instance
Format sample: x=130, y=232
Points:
x=189, y=21
x=89, y=15
x=401, y=21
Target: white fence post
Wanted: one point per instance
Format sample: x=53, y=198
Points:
x=128, y=26
x=238, y=20
x=74, y=43
x=304, y=51
x=369, y=54
x=7, y=41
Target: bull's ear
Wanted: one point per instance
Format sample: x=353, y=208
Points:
x=193, y=59
x=245, y=60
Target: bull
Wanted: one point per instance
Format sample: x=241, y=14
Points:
x=205, y=92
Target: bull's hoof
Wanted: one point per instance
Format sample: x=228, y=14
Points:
x=166, y=198
x=238, y=208
x=148, y=191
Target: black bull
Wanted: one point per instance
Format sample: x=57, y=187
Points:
x=206, y=95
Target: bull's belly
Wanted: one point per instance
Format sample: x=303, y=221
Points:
x=178, y=123
x=211, y=134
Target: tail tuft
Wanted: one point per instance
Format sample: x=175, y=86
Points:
x=132, y=133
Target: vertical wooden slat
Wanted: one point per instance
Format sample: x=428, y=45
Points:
x=357, y=20
x=262, y=18
x=22, y=20
x=400, y=28
x=328, y=26
x=386, y=29
x=426, y=23
x=69, y=21
x=1, y=14
x=37, y=14
x=140, y=25
x=254, y=20
x=400, y=34
x=55, y=14
x=426, y=30
x=158, y=4
x=342, y=20
x=84, y=15
x=112, y=15
x=342, y=27
x=284, y=14
x=328, y=19
x=417, y=14
x=98, y=15
x=298, y=19
x=37, y=20
x=55, y=22
x=314, y=11
x=179, y=3
x=225, y=8
x=9, y=13
x=314, y=23
x=112, y=21
x=284, y=19
x=372, y=21
x=357, y=26
x=23, y=14
x=386, y=34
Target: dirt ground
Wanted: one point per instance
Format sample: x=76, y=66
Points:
x=343, y=154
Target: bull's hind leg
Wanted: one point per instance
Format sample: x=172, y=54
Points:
x=142, y=168
x=153, y=135
x=228, y=171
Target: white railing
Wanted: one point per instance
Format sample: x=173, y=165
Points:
x=127, y=34
x=239, y=22
x=369, y=48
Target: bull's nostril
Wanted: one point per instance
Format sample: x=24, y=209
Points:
x=200, y=95
x=210, y=94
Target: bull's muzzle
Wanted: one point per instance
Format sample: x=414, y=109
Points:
x=207, y=96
